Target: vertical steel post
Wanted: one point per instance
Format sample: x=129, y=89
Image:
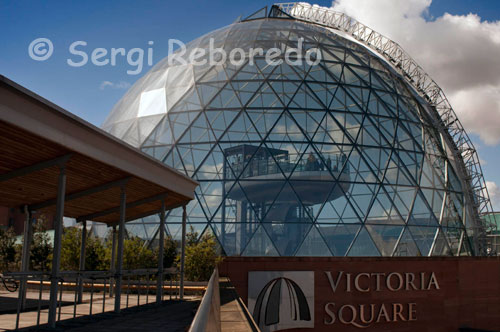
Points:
x=25, y=260
x=159, y=279
x=113, y=259
x=119, y=261
x=183, y=251
x=56, y=256
x=82, y=260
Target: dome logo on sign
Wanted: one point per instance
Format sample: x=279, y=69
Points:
x=281, y=300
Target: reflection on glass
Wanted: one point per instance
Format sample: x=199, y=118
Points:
x=338, y=158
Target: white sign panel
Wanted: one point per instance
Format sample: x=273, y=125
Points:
x=280, y=300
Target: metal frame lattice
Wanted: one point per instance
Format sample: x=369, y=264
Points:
x=393, y=53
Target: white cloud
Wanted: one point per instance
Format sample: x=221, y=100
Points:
x=494, y=192
x=460, y=52
x=122, y=85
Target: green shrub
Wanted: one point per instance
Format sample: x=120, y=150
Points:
x=41, y=248
x=201, y=257
x=7, y=248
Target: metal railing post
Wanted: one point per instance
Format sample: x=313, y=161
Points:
x=113, y=260
x=82, y=261
x=58, y=228
x=119, y=262
x=159, y=280
x=183, y=252
x=25, y=259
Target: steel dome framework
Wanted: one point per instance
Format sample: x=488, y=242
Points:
x=339, y=158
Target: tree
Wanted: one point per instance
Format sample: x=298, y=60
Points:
x=41, y=248
x=169, y=252
x=202, y=257
x=191, y=237
x=7, y=248
x=95, y=252
x=137, y=256
x=70, y=249
x=95, y=255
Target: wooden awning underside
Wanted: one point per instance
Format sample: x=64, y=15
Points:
x=37, y=137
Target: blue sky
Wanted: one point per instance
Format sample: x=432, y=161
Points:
x=130, y=24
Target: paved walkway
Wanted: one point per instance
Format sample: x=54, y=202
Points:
x=175, y=316
x=169, y=316
x=233, y=314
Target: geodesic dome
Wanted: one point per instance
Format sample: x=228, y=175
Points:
x=340, y=158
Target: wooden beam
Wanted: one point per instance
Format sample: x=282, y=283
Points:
x=59, y=161
x=146, y=200
x=80, y=194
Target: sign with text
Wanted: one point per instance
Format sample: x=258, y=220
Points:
x=363, y=315
x=368, y=293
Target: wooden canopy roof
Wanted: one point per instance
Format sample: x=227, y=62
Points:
x=36, y=137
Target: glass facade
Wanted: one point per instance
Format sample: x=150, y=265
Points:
x=340, y=158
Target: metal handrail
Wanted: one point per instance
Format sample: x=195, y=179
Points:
x=207, y=316
x=256, y=167
x=96, y=281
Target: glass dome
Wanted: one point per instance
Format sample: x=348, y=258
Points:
x=340, y=158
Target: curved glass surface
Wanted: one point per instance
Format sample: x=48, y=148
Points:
x=335, y=159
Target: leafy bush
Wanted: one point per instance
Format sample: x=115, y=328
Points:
x=7, y=248
x=137, y=256
x=95, y=251
x=201, y=257
x=41, y=248
x=169, y=252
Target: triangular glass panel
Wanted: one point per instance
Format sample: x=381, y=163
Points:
x=407, y=246
x=441, y=247
x=227, y=98
x=264, y=119
x=213, y=166
x=421, y=214
x=453, y=237
x=286, y=236
x=313, y=245
x=435, y=200
x=199, y=131
x=261, y=13
x=329, y=131
x=377, y=159
x=397, y=174
x=265, y=98
x=451, y=217
x=260, y=245
x=363, y=245
x=382, y=211
x=385, y=237
x=207, y=91
x=402, y=197
x=220, y=120
x=189, y=102
x=339, y=237
x=241, y=130
x=424, y=237
x=361, y=195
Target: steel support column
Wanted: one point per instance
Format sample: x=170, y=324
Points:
x=25, y=260
x=56, y=256
x=113, y=260
x=183, y=251
x=119, y=261
x=161, y=237
x=82, y=260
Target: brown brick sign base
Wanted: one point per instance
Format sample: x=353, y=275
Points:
x=375, y=294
